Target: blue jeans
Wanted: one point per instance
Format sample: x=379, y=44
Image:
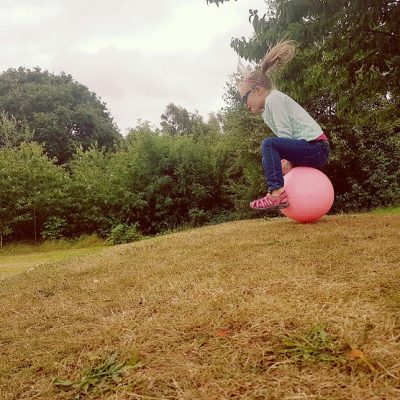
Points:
x=299, y=152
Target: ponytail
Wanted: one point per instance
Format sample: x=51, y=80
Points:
x=275, y=58
x=278, y=56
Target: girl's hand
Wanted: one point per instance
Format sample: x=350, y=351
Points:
x=286, y=166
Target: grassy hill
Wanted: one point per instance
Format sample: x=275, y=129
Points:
x=21, y=257
x=262, y=309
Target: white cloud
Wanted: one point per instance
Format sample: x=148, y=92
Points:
x=13, y=13
x=136, y=55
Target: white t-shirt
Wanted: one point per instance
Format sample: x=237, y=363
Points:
x=288, y=119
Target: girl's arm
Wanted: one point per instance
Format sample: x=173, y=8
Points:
x=280, y=117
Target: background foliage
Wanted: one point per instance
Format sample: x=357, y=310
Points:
x=61, y=113
x=346, y=74
x=66, y=171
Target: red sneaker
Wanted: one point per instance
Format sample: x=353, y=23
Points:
x=270, y=202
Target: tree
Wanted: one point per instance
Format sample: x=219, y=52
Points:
x=162, y=181
x=62, y=113
x=12, y=132
x=93, y=197
x=217, y=2
x=346, y=75
x=32, y=189
x=349, y=48
x=178, y=121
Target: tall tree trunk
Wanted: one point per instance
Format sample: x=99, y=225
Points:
x=34, y=222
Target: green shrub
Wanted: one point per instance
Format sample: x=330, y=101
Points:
x=198, y=217
x=123, y=233
x=53, y=228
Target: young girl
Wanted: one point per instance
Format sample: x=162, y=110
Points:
x=299, y=139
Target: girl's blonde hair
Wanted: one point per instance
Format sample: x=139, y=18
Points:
x=275, y=58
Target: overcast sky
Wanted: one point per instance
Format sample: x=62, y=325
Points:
x=136, y=55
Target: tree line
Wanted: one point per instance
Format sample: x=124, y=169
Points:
x=153, y=182
x=66, y=171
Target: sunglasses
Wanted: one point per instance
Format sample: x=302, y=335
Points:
x=245, y=97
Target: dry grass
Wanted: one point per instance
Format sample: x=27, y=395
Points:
x=263, y=309
x=11, y=263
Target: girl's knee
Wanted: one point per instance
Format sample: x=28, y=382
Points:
x=267, y=142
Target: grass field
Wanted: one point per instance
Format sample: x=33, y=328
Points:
x=17, y=258
x=17, y=263
x=261, y=309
